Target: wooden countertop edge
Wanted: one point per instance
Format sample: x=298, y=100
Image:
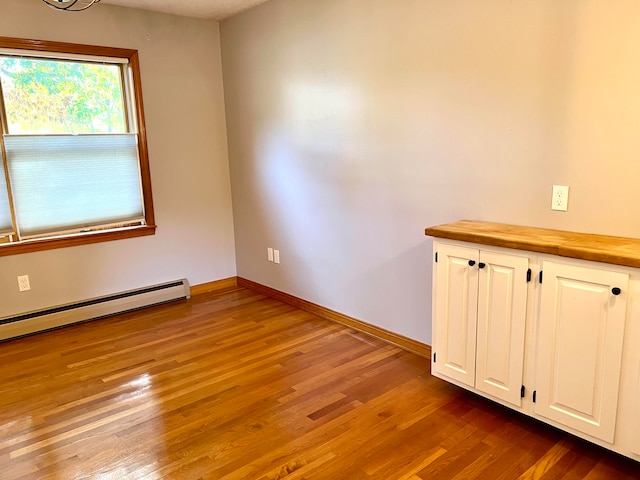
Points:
x=602, y=257
x=565, y=244
x=495, y=241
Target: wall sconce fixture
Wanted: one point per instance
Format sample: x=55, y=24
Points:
x=70, y=5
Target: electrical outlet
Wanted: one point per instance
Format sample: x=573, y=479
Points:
x=23, y=283
x=560, y=198
x=270, y=254
x=276, y=256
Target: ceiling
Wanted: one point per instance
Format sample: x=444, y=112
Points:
x=211, y=9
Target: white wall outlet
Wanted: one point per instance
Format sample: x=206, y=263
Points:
x=560, y=198
x=276, y=256
x=270, y=254
x=23, y=283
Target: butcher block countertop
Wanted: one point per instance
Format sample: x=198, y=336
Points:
x=584, y=246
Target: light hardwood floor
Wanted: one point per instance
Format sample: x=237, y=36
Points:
x=235, y=385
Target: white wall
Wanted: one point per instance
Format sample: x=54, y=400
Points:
x=355, y=124
x=184, y=107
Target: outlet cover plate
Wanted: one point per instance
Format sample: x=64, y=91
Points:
x=560, y=198
x=23, y=283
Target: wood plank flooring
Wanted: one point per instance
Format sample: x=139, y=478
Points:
x=235, y=385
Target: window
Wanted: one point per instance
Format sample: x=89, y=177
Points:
x=74, y=155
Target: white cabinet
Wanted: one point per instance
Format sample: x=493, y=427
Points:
x=570, y=337
x=579, y=354
x=480, y=308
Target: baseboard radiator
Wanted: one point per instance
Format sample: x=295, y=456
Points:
x=92, y=309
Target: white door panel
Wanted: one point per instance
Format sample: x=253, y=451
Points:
x=580, y=347
x=455, y=313
x=502, y=308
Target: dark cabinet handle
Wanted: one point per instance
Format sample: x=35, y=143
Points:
x=616, y=291
x=482, y=265
x=472, y=263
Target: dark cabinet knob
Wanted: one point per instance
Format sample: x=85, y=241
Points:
x=482, y=265
x=472, y=263
x=616, y=291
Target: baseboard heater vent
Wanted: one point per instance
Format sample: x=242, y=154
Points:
x=49, y=318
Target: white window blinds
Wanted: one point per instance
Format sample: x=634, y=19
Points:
x=66, y=182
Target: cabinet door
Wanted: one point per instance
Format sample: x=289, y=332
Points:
x=455, y=309
x=502, y=310
x=580, y=341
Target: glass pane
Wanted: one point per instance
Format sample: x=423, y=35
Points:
x=61, y=97
x=66, y=182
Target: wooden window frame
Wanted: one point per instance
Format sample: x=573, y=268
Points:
x=85, y=238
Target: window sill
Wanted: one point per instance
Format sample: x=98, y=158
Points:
x=30, y=246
